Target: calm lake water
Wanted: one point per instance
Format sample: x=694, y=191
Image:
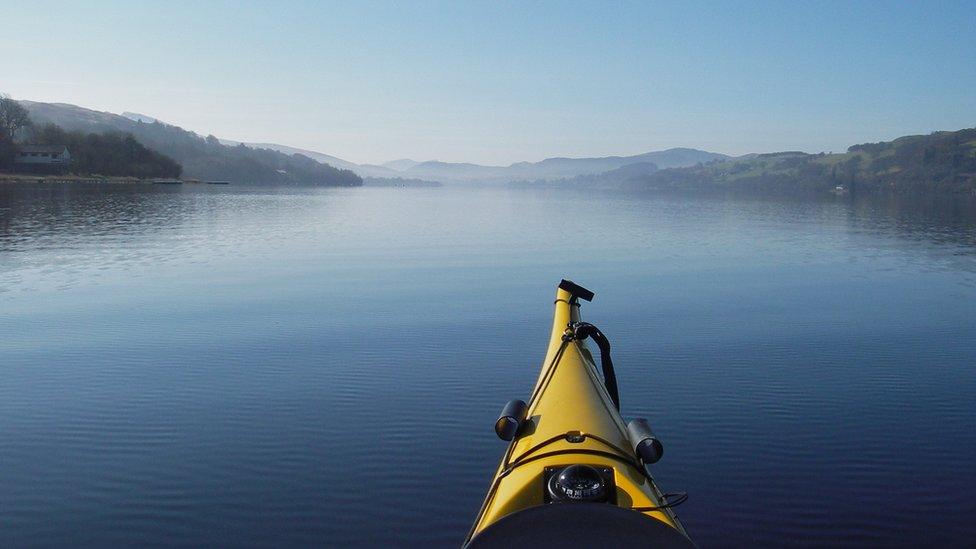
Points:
x=208, y=366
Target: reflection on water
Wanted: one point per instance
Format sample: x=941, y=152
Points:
x=199, y=365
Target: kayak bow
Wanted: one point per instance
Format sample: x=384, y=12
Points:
x=574, y=473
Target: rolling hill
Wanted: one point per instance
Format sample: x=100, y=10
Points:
x=556, y=168
x=938, y=163
x=212, y=158
x=201, y=157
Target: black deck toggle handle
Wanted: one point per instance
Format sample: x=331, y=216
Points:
x=576, y=290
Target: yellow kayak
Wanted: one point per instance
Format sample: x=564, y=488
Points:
x=574, y=473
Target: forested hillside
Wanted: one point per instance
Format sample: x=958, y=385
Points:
x=940, y=163
x=201, y=158
x=108, y=154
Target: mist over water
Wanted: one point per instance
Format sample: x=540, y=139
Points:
x=197, y=365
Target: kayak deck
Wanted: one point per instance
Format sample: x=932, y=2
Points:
x=571, y=419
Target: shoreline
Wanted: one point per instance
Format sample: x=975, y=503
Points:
x=66, y=179
x=69, y=179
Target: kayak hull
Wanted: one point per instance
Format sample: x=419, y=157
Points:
x=571, y=419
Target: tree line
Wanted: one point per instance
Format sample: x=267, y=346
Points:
x=938, y=163
x=13, y=118
x=106, y=154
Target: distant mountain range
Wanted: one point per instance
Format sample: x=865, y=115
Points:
x=546, y=170
x=200, y=157
x=941, y=163
x=556, y=168
x=400, y=165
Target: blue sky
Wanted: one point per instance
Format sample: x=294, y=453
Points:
x=503, y=82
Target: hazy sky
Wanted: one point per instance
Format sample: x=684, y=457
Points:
x=498, y=83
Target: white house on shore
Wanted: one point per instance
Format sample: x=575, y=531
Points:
x=42, y=158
